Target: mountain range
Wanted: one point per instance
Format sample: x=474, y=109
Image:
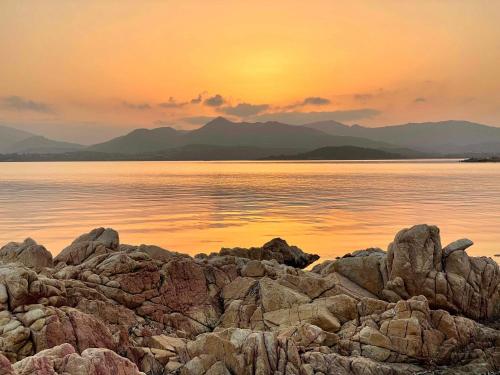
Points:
x=445, y=137
x=14, y=141
x=341, y=153
x=222, y=132
x=221, y=139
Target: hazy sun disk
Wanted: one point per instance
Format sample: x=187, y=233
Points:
x=264, y=75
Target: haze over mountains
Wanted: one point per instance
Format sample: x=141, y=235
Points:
x=445, y=137
x=18, y=141
x=222, y=132
x=341, y=153
x=221, y=139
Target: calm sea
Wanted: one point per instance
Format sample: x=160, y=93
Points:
x=326, y=207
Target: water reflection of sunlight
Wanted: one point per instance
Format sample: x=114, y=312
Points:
x=329, y=208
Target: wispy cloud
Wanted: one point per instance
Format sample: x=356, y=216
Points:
x=309, y=101
x=245, y=109
x=300, y=118
x=197, y=100
x=214, y=101
x=18, y=103
x=137, y=106
x=172, y=103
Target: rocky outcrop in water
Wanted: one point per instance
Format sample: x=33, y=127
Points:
x=276, y=249
x=101, y=307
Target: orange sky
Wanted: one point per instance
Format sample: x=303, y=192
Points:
x=69, y=67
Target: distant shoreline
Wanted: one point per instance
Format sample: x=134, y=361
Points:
x=401, y=160
x=230, y=153
x=493, y=159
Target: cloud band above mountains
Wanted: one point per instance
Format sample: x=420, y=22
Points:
x=299, y=118
x=18, y=103
x=245, y=109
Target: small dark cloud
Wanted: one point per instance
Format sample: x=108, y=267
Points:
x=197, y=120
x=300, y=118
x=137, y=106
x=171, y=103
x=316, y=100
x=18, y=103
x=214, y=101
x=420, y=100
x=245, y=109
x=196, y=100
x=311, y=100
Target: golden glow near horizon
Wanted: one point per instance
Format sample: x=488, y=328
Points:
x=114, y=63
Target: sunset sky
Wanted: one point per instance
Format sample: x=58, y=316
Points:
x=88, y=70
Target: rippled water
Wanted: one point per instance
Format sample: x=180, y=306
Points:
x=324, y=207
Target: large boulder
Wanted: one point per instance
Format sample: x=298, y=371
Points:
x=64, y=360
x=414, y=253
x=461, y=244
x=450, y=279
x=169, y=313
x=25, y=333
x=28, y=253
x=410, y=331
x=243, y=352
x=416, y=264
x=366, y=268
x=97, y=241
x=276, y=249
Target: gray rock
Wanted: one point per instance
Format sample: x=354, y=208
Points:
x=98, y=241
x=28, y=253
x=276, y=249
x=461, y=244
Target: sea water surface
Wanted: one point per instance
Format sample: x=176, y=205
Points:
x=325, y=207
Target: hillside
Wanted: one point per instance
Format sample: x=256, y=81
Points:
x=341, y=153
x=437, y=139
x=10, y=136
x=222, y=132
x=212, y=152
x=18, y=141
x=188, y=152
x=38, y=144
x=141, y=141
x=445, y=137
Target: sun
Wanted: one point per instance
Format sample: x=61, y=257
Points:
x=267, y=74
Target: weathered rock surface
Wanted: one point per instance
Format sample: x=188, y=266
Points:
x=367, y=268
x=28, y=253
x=98, y=241
x=457, y=245
x=65, y=360
x=415, y=264
x=106, y=308
x=276, y=249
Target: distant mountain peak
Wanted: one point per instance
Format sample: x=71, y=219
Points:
x=441, y=137
x=146, y=131
x=13, y=140
x=220, y=120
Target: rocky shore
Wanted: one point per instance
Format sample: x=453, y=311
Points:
x=100, y=307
